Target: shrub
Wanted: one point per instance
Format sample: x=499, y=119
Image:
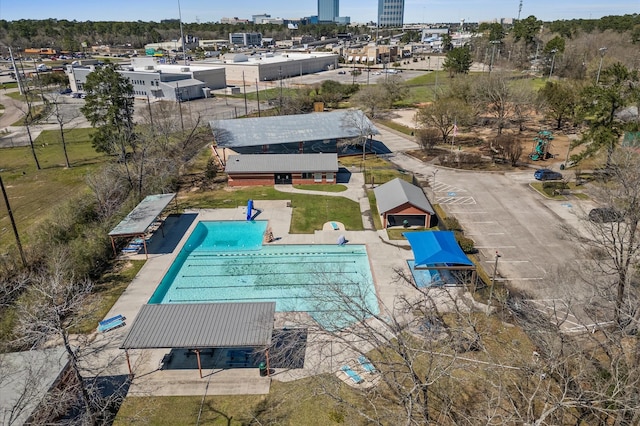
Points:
x=552, y=188
x=466, y=244
x=428, y=138
x=452, y=224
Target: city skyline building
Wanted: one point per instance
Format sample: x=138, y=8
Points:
x=328, y=10
x=390, y=13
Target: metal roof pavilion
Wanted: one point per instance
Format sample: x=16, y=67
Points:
x=201, y=325
x=284, y=129
x=141, y=217
x=282, y=163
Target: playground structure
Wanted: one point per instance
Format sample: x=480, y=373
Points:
x=542, y=147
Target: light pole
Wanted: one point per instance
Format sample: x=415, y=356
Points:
x=434, y=173
x=553, y=61
x=602, y=51
x=493, y=279
x=493, y=51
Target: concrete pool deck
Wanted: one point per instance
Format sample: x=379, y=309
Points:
x=150, y=379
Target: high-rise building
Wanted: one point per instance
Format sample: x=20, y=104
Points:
x=390, y=13
x=328, y=10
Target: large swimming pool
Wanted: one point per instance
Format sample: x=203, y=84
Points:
x=225, y=261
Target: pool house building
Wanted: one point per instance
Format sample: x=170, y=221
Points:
x=261, y=169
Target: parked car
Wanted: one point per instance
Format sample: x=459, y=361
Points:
x=341, y=72
x=547, y=174
x=64, y=91
x=605, y=214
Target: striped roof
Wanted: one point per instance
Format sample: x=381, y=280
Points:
x=282, y=163
x=201, y=325
x=282, y=129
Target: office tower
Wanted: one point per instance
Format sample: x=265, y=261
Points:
x=390, y=13
x=328, y=10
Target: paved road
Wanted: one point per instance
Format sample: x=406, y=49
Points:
x=503, y=214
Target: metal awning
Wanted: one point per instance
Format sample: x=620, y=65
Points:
x=202, y=325
x=141, y=217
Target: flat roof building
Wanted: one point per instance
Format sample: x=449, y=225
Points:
x=270, y=67
x=160, y=81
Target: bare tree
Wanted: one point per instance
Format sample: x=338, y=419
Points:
x=52, y=309
x=357, y=123
x=428, y=138
x=63, y=116
x=445, y=114
x=611, y=241
x=510, y=147
x=495, y=93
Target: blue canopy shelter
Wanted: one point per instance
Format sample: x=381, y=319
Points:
x=439, y=250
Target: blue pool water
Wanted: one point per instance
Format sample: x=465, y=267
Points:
x=425, y=277
x=225, y=261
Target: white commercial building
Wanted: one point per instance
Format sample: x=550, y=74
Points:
x=269, y=66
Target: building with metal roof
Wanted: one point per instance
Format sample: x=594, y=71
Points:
x=403, y=204
x=270, y=169
x=200, y=326
x=25, y=380
x=300, y=133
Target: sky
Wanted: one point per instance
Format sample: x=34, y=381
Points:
x=416, y=11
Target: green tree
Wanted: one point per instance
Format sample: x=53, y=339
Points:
x=527, y=30
x=447, y=42
x=458, y=61
x=494, y=30
x=560, y=101
x=618, y=88
x=557, y=43
x=109, y=107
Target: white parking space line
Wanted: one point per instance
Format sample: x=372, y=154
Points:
x=466, y=212
x=455, y=200
x=494, y=247
x=487, y=221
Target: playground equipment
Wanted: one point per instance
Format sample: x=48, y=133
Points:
x=543, y=144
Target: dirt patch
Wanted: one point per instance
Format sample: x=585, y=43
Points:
x=478, y=140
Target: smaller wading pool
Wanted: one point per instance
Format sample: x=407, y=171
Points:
x=430, y=277
x=225, y=261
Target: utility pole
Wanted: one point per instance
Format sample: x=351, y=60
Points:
x=258, y=96
x=244, y=89
x=184, y=53
x=13, y=224
x=15, y=69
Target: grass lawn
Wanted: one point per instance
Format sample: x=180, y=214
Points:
x=302, y=402
x=397, y=126
x=322, y=187
x=310, y=212
x=377, y=170
x=377, y=220
x=106, y=292
x=291, y=403
x=33, y=194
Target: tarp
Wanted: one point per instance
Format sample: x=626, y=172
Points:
x=436, y=247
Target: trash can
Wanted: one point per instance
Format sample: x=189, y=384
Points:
x=263, y=369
